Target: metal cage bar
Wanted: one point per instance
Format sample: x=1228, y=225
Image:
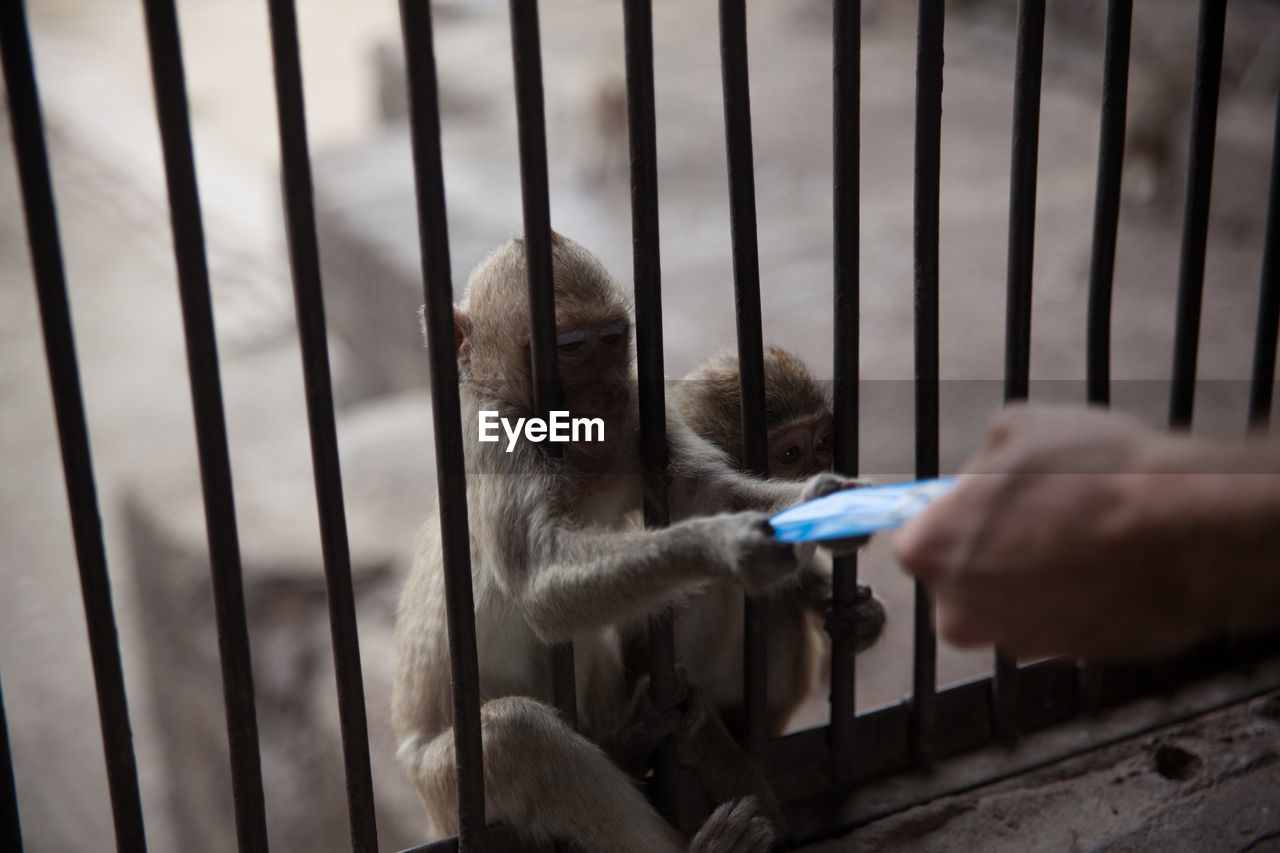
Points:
x=1022, y=237
x=1195, y=223
x=1106, y=224
x=846, y=75
x=647, y=275
x=10, y=825
x=73, y=437
x=1264, y=347
x=928, y=156
x=211, y=430
x=531, y=125
x=304, y=258
x=1106, y=210
x=746, y=291
x=451, y=481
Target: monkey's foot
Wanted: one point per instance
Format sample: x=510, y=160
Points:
x=739, y=826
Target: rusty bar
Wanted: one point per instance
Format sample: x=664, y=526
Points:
x=846, y=129
x=1022, y=235
x=531, y=124
x=1106, y=210
x=746, y=288
x=451, y=482
x=73, y=435
x=1264, y=344
x=1195, y=222
x=211, y=429
x=647, y=273
x=928, y=155
x=304, y=259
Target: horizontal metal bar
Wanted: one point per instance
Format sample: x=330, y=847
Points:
x=451, y=482
x=1048, y=697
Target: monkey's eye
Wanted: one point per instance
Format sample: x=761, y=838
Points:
x=613, y=334
x=788, y=455
x=571, y=342
x=822, y=442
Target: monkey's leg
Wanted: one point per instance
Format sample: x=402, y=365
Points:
x=545, y=781
x=718, y=765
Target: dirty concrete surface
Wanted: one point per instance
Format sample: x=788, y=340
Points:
x=109, y=188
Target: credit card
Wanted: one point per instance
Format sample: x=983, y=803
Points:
x=857, y=512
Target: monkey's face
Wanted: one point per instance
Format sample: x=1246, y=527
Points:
x=801, y=447
x=597, y=371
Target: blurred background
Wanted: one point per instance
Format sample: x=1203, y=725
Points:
x=91, y=63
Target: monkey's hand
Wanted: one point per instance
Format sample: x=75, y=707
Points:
x=740, y=826
x=821, y=485
x=645, y=726
x=863, y=620
x=758, y=561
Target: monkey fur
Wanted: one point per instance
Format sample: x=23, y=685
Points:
x=558, y=552
x=798, y=422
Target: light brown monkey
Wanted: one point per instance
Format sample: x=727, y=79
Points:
x=800, y=443
x=558, y=553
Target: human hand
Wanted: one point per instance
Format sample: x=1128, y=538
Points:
x=1060, y=538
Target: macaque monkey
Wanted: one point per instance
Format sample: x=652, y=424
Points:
x=558, y=552
x=800, y=444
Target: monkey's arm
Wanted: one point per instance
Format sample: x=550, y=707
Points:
x=575, y=580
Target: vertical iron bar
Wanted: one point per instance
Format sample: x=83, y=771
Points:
x=928, y=155
x=1106, y=222
x=211, y=429
x=73, y=435
x=10, y=826
x=531, y=123
x=647, y=272
x=1264, y=344
x=746, y=280
x=846, y=144
x=1195, y=222
x=304, y=258
x=451, y=482
x=1022, y=236
x=1106, y=211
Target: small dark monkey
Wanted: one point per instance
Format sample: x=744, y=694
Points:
x=797, y=412
x=558, y=553
x=800, y=444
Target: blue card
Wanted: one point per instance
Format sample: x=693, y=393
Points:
x=857, y=512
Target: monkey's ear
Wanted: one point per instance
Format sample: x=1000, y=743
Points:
x=462, y=336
